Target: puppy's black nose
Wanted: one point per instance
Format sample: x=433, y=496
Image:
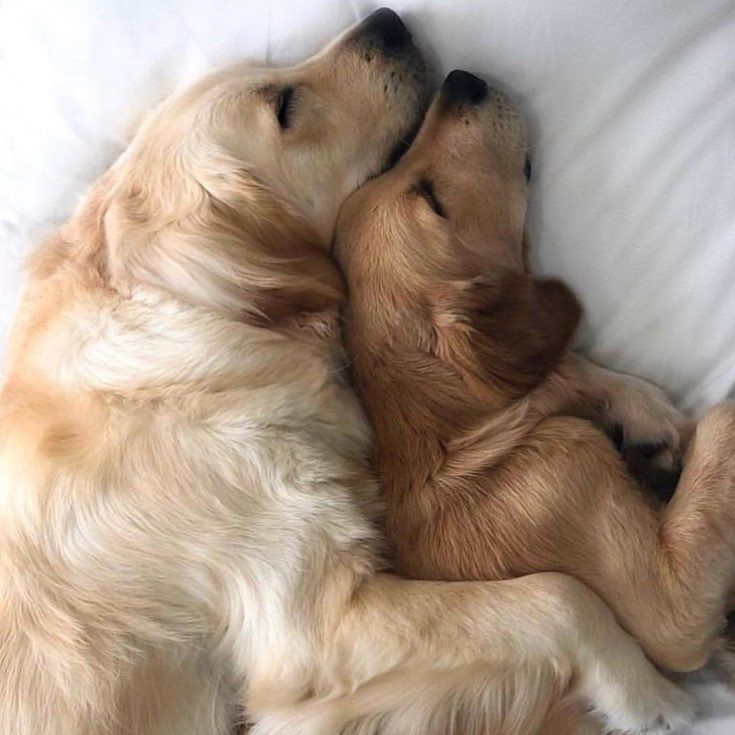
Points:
x=461, y=86
x=386, y=30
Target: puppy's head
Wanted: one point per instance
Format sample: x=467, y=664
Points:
x=228, y=193
x=433, y=251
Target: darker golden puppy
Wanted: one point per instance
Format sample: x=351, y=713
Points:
x=490, y=431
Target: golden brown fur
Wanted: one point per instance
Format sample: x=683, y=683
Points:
x=490, y=432
x=187, y=517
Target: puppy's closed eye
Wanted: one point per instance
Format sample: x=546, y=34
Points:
x=425, y=189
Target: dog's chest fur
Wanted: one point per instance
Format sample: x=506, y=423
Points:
x=244, y=451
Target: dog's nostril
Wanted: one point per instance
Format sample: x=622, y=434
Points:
x=461, y=86
x=385, y=29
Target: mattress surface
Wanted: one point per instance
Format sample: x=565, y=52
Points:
x=631, y=107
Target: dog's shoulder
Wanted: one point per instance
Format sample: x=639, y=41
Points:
x=152, y=382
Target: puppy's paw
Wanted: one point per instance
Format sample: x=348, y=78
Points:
x=656, y=468
x=648, y=419
x=650, y=433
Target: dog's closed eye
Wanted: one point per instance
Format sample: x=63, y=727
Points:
x=284, y=107
x=425, y=189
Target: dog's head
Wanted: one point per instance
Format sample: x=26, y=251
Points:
x=228, y=193
x=433, y=251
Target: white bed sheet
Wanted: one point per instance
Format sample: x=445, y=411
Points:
x=632, y=114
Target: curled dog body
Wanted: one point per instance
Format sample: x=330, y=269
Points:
x=490, y=432
x=187, y=515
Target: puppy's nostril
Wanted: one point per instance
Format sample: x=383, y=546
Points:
x=385, y=29
x=461, y=86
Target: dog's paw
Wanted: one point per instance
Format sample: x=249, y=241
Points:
x=664, y=712
x=646, y=418
x=655, y=467
x=650, y=433
x=633, y=697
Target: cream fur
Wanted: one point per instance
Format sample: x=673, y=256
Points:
x=187, y=516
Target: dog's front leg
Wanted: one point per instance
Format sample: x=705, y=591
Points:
x=651, y=433
x=417, y=657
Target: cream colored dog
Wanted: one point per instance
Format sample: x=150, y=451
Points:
x=186, y=512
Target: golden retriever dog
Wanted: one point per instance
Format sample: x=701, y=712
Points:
x=188, y=519
x=490, y=440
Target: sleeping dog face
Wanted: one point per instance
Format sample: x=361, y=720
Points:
x=455, y=204
x=314, y=133
x=228, y=194
x=309, y=134
x=433, y=250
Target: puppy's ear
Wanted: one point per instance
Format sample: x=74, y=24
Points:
x=508, y=332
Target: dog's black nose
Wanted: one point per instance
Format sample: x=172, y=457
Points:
x=461, y=86
x=386, y=30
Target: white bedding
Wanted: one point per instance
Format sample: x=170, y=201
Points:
x=632, y=112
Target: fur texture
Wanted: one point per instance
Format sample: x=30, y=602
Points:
x=187, y=514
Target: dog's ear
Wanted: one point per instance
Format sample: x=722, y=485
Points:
x=509, y=332
x=246, y=256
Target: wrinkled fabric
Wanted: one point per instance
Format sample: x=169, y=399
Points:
x=631, y=107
